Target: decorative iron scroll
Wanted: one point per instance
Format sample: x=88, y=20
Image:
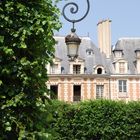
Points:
x=74, y=9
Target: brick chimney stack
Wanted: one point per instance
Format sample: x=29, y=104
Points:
x=104, y=37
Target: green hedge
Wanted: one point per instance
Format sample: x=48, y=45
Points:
x=96, y=120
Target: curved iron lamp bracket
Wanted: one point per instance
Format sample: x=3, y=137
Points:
x=74, y=9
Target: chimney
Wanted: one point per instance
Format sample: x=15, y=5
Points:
x=104, y=37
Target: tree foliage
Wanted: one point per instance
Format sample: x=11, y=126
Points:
x=26, y=46
x=97, y=120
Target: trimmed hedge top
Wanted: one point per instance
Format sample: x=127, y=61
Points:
x=96, y=120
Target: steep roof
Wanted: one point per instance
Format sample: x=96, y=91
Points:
x=128, y=46
x=90, y=60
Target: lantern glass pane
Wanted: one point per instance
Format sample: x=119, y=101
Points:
x=72, y=49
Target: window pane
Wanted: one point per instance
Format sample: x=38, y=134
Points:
x=124, y=82
x=121, y=67
x=76, y=69
x=76, y=93
x=54, y=91
x=54, y=68
x=99, y=91
x=120, y=82
x=122, y=86
x=124, y=89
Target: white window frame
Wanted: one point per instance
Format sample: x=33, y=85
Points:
x=122, y=87
x=99, y=91
x=76, y=69
x=54, y=68
x=77, y=62
x=117, y=66
x=122, y=68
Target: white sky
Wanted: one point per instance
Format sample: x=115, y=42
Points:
x=125, y=16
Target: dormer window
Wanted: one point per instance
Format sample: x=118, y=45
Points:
x=55, y=67
x=77, y=66
x=118, y=53
x=99, y=69
x=137, y=51
x=76, y=69
x=89, y=52
x=121, y=66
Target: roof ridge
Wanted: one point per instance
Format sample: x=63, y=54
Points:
x=129, y=38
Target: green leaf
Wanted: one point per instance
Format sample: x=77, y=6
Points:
x=44, y=22
x=6, y=70
x=2, y=97
x=23, y=46
x=8, y=128
x=28, y=28
x=1, y=39
x=8, y=51
x=24, y=61
x=0, y=82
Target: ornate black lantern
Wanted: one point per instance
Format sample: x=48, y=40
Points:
x=72, y=40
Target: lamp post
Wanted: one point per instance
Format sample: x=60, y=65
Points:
x=72, y=40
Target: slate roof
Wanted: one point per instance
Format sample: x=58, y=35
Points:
x=127, y=45
x=86, y=44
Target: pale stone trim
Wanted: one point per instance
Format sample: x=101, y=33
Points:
x=65, y=89
x=95, y=68
x=77, y=62
x=88, y=89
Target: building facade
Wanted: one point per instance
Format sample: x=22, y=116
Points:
x=98, y=72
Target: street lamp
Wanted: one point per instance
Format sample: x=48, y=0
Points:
x=72, y=40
